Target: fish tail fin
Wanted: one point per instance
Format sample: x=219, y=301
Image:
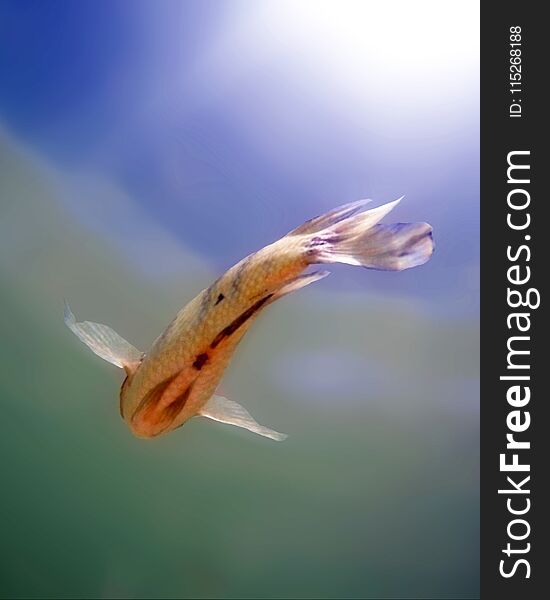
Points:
x=104, y=342
x=360, y=240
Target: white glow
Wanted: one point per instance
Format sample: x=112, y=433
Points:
x=424, y=50
x=420, y=54
x=401, y=35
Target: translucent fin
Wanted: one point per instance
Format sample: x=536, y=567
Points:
x=104, y=342
x=299, y=283
x=334, y=216
x=386, y=247
x=360, y=240
x=223, y=410
x=357, y=224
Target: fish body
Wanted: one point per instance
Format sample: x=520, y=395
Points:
x=178, y=377
x=183, y=368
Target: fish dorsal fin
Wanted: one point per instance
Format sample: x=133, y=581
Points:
x=223, y=410
x=330, y=218
x=105, y=342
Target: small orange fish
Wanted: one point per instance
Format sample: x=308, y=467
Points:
x=177, y=378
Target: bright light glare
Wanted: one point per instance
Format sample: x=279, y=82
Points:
x=422, y=49
x=423, y=54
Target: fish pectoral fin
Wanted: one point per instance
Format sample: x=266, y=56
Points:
x=104, y=342
x=223, y=410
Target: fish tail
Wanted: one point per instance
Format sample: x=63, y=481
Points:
x=359, y=239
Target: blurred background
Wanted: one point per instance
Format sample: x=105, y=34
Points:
x=146, y=146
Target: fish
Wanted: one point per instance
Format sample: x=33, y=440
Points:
x=179, y=376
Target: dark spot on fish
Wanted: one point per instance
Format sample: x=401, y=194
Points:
x=318, y=244
x=200, y=361
x=402, y=254
x=316, y=241
x=239, y=321
x=220, y=298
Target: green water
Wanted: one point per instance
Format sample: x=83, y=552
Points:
x=374, y=494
